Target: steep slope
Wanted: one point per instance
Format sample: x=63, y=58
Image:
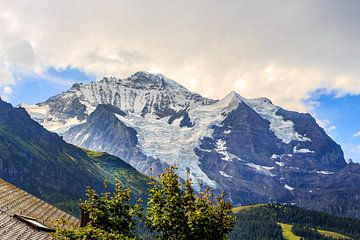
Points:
x=255, y=151
x=43, y=164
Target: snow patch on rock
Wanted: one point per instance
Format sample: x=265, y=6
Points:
x=283, y=129
x=262, y=169
x=227, y=131
x=281, y=164
x=289, y=187
x=221, y=149
x=274, y=156
x=225, y=175
x=301, y=150
x=325, y=172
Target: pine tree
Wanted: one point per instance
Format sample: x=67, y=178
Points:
x=179, y=214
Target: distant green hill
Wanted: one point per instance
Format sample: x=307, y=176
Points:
x=118, y=169
x=41, y=163
x=277, y=222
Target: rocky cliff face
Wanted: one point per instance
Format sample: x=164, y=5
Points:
x=252, y=149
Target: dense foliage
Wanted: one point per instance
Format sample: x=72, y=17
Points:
x=249, y=229
x=297, y=216
x=173, y=213
x=308, y=233
x=179, y=214
x=111, y=216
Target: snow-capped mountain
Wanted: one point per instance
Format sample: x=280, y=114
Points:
x=252, y=149
x=141, y=94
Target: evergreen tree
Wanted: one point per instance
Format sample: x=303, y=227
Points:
x=179, y=214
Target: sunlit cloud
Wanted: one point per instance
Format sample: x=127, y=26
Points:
x=240, y=85
x=7, y=90
x=283, y=50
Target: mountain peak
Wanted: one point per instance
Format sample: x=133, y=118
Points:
x=232, y=98
x=143, y=78
x=144, y=74
x=234, y=95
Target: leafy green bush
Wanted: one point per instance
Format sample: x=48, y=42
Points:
x=111, y=217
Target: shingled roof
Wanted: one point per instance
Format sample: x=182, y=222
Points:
x=12, y=228
x=21, y=212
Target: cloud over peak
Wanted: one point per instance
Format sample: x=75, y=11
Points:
x=284, y=50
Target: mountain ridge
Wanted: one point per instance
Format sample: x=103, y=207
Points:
x=254, y=150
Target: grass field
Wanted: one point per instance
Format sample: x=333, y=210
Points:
x=242, y=208
x=333, y=234
x=289, y=235
x=94, y=154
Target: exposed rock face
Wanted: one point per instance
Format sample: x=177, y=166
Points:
x=336, y=193
x=252, y=149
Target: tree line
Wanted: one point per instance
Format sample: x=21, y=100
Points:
x=305, y=222
x=308, y=233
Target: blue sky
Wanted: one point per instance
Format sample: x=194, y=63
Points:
x=35, y=88
x=338, y=115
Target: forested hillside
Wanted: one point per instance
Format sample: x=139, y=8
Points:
x=261, y=222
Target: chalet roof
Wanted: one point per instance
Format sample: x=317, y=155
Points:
x=24, y=216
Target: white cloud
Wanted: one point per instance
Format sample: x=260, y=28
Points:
x=331, y=128
x=20, y=54
x=280, y=49
x=5, y=76
x=357, y=134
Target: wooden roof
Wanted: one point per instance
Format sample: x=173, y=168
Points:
x=14, y=201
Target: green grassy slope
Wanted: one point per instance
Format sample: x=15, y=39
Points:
x=41, y=163
x=115, y=168
x=261, y=215
x=287, y=233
